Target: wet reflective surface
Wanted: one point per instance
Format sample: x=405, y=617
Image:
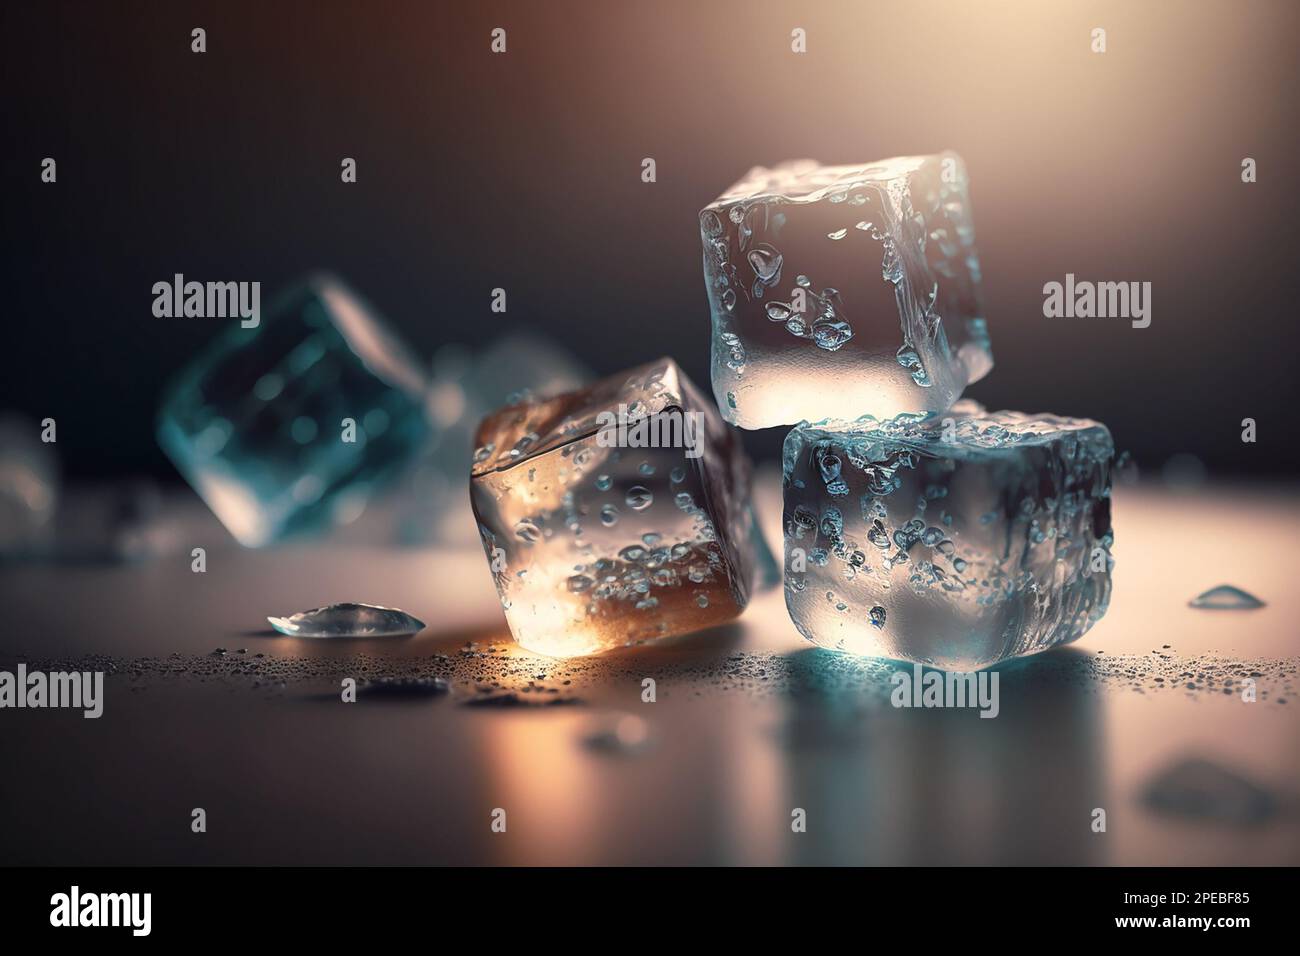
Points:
x=749, y=723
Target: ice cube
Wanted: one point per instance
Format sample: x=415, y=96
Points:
x=290, y=426
x=954, y=540
x=840, y=291
x=614, y=515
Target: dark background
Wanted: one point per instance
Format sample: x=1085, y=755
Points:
x=523, y=171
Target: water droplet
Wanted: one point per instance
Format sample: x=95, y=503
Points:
x=891, y=266
x=765, y=261
x=639, y=498
x=633, y=553
x=831, y=335
x=908, y=358
x=604, y=482
x=802, y=281
x=1226, y=598
x=778, y=311
x=878, y=617
x=527, y=530
x=609, y=516
x=864, y=225
x=702, y=600
x=837, y=234
x=678, y=475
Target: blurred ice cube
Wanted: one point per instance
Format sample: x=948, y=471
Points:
x=290, y=426
x=29, y=486
x=433, y=501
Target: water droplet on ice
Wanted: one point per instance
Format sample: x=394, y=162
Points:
x=831, y=335
x=765, y=261
x=639, y=498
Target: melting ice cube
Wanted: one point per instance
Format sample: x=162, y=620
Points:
x=614, y=515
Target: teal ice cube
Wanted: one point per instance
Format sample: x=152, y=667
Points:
x=290, y=426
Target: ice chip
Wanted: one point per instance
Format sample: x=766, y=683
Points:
x=290, y=426
x=844, y=290
x=615, y=514
x=955, y=541
x=348, y=620
x=1226, y=598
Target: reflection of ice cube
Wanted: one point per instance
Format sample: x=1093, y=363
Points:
x=955, y=541
x=29, y=486
x=600, y=536
x=289, y=426
x=857, y=286
x=433, y=502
